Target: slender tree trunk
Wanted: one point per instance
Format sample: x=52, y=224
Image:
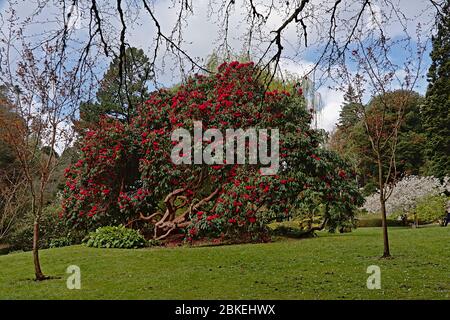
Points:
x=416, y=220
x=37, y=265
x=386, y=252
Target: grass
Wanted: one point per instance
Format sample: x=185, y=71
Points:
x=332, y=266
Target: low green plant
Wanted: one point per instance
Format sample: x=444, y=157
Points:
x=115, y=237
x=290, y=232
x=60, y=242
x=292, y=229
x=154, y=243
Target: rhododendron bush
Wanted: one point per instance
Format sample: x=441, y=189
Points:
x=126, y=175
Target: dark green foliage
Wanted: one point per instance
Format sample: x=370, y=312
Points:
x=436, y=115
x=60, y=242
x=118, y=96
x=115, y=237
x=4, y=249
x=349, y=114
x=154, y=243
x=350, y=138
x=22, y=237
x=291, y=231
x=52, y=231
x=375, y=221
x=432, y=208
x=411, y=139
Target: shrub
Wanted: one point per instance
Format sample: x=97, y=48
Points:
x=154, y=243
x=51, y=229
x=431, y=209
x=126, y=169
x=115, y=237
x=4, y=249
x=22, y=237
x=373, y=221
x=60, y=242
x=290, y=232
x=291, y=229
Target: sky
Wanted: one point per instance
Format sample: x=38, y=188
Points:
x=202, y=35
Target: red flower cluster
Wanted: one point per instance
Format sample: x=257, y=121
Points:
x=212, y=217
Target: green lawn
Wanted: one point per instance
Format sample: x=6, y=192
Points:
x=327, y=267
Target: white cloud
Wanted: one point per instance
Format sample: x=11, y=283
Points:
x=333, y=100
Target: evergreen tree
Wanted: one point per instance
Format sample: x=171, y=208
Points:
x=436, y=115
x=348, y=116
x=118, y=96
x=349, y=138
x=411, y=139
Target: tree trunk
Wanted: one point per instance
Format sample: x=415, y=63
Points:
x=37, y=219
x=37, y=265
x=317, y=228
x=386, y=252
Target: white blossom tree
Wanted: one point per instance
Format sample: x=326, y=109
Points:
x=407, y=193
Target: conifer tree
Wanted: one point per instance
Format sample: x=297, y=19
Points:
x=436, y=115
x=118, y=96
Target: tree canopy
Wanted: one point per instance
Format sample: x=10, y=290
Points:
x=350, y=141
x=124, y=86
x=436, y=115
x=126, y=175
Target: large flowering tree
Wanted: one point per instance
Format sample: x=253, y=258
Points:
x=126, y=174
x=407, y=194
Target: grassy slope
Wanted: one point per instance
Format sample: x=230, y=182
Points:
x=328, y=267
